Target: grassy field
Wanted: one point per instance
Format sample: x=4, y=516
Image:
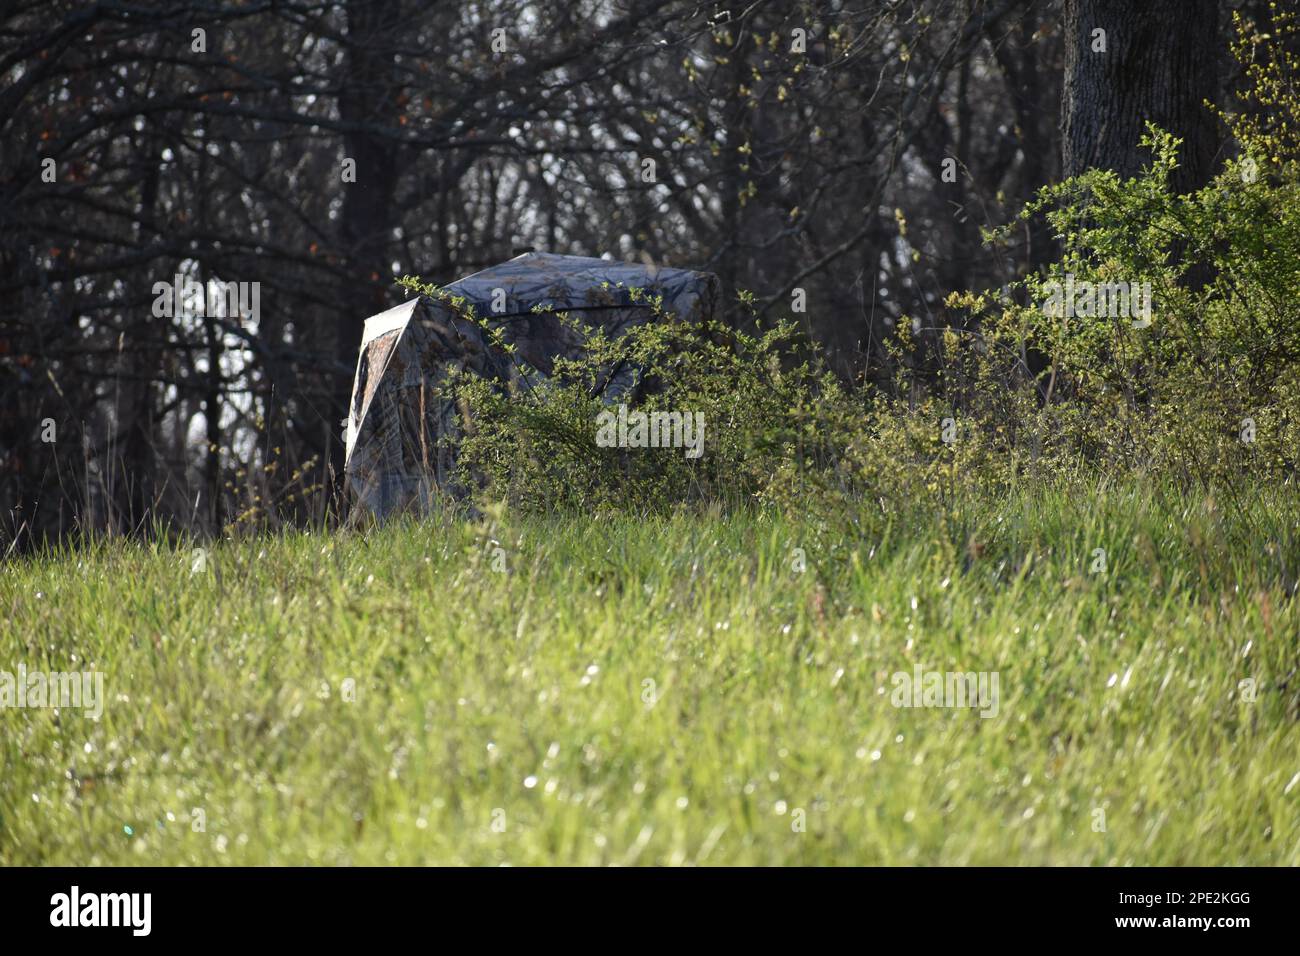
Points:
x=615, y=690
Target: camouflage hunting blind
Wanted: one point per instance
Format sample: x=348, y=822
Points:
x=397, y=455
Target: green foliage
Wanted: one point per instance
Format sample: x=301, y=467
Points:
x=519, y=685
x=771, y=415
x=1201, y=386
x=1209, y=390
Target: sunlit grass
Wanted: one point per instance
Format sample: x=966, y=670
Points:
x=670, y=691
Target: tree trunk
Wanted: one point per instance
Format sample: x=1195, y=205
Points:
x=367, y=101
x=1158, y=65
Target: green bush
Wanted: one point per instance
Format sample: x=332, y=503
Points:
x=1199, y=387
x=1205, y=387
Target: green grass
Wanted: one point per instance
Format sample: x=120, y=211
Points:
x=520, y=698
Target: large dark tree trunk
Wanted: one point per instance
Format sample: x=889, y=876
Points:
x=1159, y=65
x=368, y=104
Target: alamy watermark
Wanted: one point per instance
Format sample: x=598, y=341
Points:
x=130, y=910
x=64, y=689
x=183, y=297
x=624, y=429
x=946, y=689
x=1113, y=300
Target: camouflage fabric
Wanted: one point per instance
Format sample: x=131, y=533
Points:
x=400, y=432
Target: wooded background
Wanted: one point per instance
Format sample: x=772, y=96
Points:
x=795, y=145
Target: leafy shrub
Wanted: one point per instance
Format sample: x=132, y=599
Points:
x=1205, y=389
x=1210, y=387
